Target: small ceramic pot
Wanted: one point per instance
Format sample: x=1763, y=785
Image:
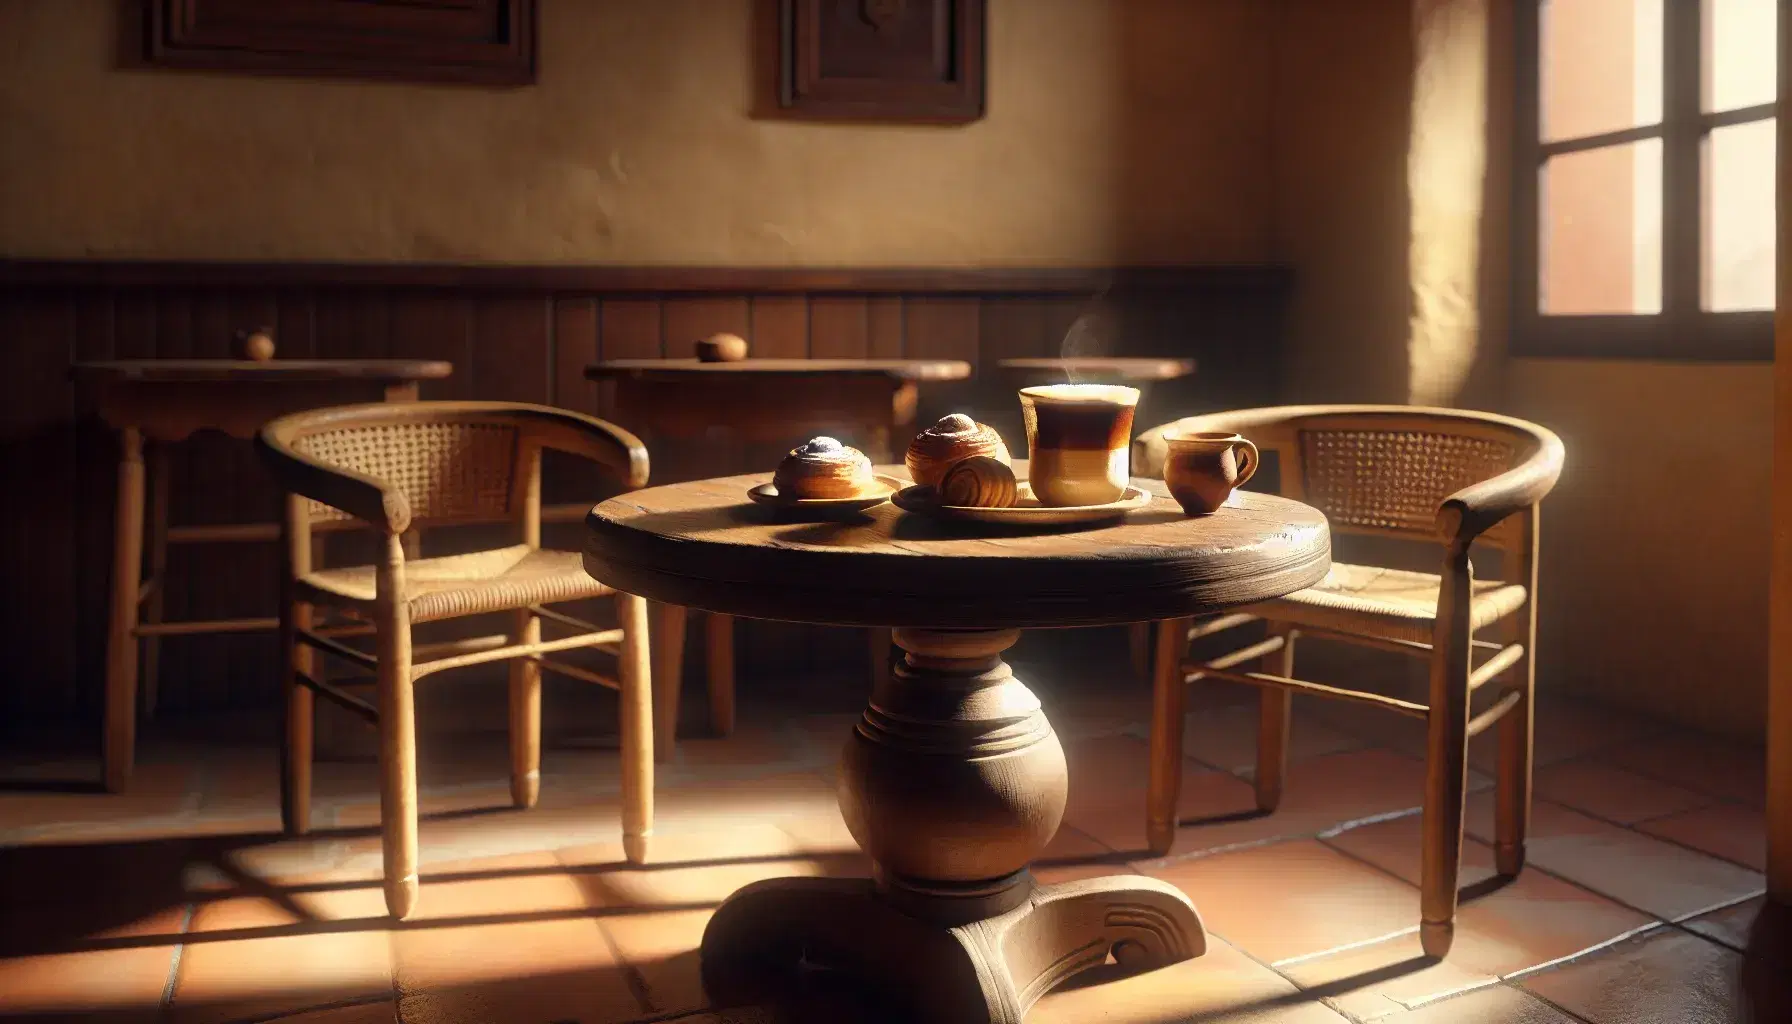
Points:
x=1203, y=469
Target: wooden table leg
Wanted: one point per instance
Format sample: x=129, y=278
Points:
x=121, y=637
x=160, y=467
x=953, y=781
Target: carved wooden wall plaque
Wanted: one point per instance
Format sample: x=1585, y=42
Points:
x=883, y=60
x=489, y=42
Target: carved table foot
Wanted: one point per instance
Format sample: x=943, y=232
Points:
x=985, y=972
x=952, y=782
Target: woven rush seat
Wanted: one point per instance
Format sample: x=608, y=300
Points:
x=451, y=586
x=1389, y=603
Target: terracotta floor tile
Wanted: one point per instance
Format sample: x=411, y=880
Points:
x=1394, y=847
x=1666, y=977
x=1072, y=855
x=364, y=1013
x=1722, y=768
x=1613, y=793
x=655, y=915
x=1737, y=834
x=1378, y=979
x=1226, y=737
x=1643, y=872
x=1293, y=899
x=499, y=833
x=251, y=957
x=1496, y=1004
x=1568, y=728
x=1217, y=810
x=511, y=938
x=1730, y=925
x=487, y=796
x=157, y=791
x=117, y=981
x=772, y=797
x=1532, y=920
x=1223, y=986
x=753, y=745
x=820, y=833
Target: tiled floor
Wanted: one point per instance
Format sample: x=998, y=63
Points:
x=181, y=902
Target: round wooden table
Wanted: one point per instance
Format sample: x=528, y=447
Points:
x=162, y=401
x=953, y=780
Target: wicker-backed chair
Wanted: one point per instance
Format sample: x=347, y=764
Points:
x=403, y=467
x=1454, y=478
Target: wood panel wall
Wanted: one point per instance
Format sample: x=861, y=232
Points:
x=514, y=333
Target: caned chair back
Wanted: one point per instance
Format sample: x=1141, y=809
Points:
x=450, y=462
x=1372, y=469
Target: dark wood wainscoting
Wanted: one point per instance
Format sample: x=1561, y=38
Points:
x=518, y=333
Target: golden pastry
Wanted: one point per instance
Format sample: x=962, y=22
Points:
x=978, y=482
x=722, y=348
x=953, y=438
x=824, y=468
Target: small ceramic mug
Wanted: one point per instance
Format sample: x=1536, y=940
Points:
x=1202, y=469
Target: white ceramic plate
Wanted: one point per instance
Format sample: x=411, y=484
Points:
x=1026, y=509
x=767, y=494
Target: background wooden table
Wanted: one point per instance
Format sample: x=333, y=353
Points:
x=953, y=780
x=751, y=412
x=162, y=401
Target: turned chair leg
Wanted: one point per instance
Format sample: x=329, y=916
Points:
x=1168, y=702
x=638, y=728
x=525, y=714
x=719, y=661
x=159, y=482
x=296, y=751
x=119, y=751
x=1274, y=718
x=398, y=738
x=1512, y=799
x=1446, y=766
x=666, y=630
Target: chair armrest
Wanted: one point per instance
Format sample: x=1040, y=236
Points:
x=597, y=440
x=358, y=494
x=1479, y=507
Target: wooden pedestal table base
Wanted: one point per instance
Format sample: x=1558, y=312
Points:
x=953, y=781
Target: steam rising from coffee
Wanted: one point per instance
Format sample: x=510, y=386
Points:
x=1089, y=337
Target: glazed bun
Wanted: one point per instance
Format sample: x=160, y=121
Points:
x=823, y=468
x=952, y=440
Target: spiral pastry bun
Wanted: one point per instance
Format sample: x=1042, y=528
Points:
x=979, y=482
x=823, y=468
x=953, y=438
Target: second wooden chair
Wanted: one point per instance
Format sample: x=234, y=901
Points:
x=397, y=468
x=1443, y=476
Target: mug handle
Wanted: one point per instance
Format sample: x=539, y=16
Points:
x=1249, y=463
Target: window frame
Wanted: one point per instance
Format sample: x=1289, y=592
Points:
x=1682, y=331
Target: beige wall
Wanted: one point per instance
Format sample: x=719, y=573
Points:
x=1134, y=131
x=1655, y=544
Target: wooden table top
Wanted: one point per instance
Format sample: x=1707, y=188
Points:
x=238, y=371
x=1117, y=368
x=693, y=369
x=704, y=545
